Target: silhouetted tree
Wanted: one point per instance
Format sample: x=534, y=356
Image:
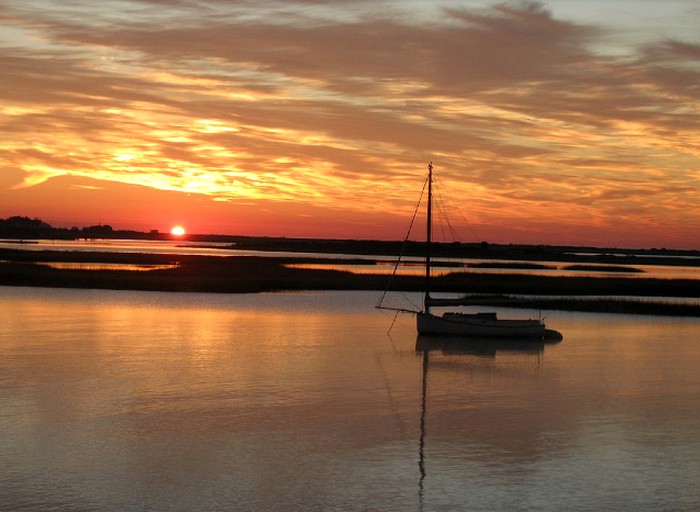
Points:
x=24, y=227
x=98, y=231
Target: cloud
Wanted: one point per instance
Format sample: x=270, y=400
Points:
x=328, y=101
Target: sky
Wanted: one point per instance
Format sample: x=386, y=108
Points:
x=564, y=122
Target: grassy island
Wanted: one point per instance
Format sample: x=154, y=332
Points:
x=250, y=274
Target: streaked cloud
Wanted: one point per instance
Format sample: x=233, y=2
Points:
x=548, y=126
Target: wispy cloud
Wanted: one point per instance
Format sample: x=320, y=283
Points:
x=330, y=101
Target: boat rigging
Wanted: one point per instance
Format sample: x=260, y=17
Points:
x=459, y=323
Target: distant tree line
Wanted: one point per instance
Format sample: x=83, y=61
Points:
x=26, y=228
x=19, y=227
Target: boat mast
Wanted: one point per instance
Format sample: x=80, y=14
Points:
x=429, y=236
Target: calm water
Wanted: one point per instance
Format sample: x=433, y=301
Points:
x=136, y=401
x=410, y=265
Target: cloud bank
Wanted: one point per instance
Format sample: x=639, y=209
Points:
x=537, y=122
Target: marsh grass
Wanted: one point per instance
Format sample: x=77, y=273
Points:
x=248, y=274
x=604, y=268
x=516, y=265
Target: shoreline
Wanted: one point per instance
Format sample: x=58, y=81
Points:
x=254, y=274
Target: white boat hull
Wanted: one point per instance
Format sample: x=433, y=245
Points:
x=475, y=325
x=479, y=324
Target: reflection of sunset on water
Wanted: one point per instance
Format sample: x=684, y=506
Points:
x=461, y=266
x=203, y=399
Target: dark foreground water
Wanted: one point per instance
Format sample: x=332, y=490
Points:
x=131, y=401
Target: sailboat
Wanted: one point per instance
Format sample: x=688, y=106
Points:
x=470, y=325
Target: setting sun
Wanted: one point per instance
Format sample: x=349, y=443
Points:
x=177, y=231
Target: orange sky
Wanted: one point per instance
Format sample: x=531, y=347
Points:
x=547, y=122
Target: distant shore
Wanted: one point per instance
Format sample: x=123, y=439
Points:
x=252, y=274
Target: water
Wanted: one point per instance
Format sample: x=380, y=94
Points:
x=138, y=401
x=410, y=265
x=182, y=247
x=416, y=266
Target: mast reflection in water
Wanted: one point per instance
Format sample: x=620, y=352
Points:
x=456, y=347
x=296, y=402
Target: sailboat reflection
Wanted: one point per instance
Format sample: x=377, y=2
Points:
x=486, y=346
x=459, y=346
